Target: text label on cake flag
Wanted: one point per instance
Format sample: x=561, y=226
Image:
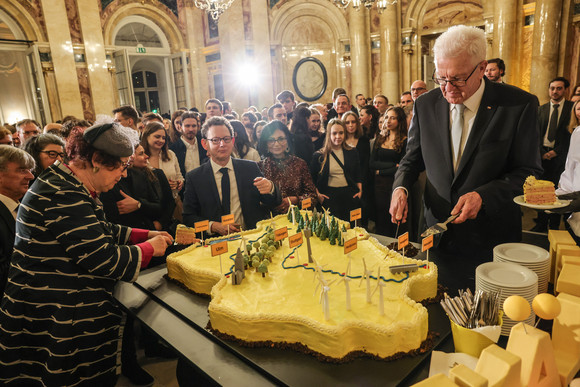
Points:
x=228, y=219
x=202, y=226
x=281, y=233
x=403, y=240
x=355, y=214
x=350, y=245
x=427, y=243
x=219, y=248
x=295, y=240
x=306, y=203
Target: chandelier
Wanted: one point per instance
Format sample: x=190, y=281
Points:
x=214, y=7
x=381, y=4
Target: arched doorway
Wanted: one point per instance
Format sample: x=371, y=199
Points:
x=20, y=75
x=148, y=76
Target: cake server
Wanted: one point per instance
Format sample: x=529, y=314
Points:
x=439, y=227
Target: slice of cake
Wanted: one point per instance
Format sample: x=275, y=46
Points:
x=539, y=191
x=184, y=235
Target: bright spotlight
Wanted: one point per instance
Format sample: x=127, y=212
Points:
x=248, y=74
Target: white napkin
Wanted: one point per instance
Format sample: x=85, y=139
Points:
x=442, y=362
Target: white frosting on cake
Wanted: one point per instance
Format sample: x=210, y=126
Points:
x=285, y=306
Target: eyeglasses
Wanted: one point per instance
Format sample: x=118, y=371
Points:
x=218, y=140
x=279, y=140
x=126, y=165
x=455, y=82
x=418, y=88
x=54, y=154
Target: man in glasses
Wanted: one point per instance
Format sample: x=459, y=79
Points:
x=225, y=186
x=15, y=173
x=477, y=141
x=418, y=88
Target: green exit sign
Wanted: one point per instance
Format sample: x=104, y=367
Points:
x=141, y=50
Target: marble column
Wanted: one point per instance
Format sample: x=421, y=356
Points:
x=99, y=77
x=262, y=59
x=233, y=55
x=192, y=18
x=504, y=36
x=390, y=76
x=61, y=52
x=545, y=47
x=360, y=50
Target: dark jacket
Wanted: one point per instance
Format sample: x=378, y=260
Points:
x=202, y=201
x=179, y=148
x=351, y=165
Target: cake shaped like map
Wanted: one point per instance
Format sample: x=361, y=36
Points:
x=334, y=306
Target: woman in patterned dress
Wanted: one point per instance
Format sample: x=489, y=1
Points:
x=288, y=172
x=59, y=324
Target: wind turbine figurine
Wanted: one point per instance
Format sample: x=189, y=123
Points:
x=380, y=286
x=366, y=275
x=346, y=279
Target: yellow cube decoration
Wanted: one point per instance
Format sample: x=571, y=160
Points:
x=566, y=338
x=466, y=377
x=557, y=237
x=569, y=280
x=500, y=367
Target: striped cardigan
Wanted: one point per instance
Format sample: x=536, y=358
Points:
x=59, y=324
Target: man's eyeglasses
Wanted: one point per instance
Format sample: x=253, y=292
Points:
x=218, y=140
x=418, y=88
x=54, y=154
x=454, y=82
x=279, y=140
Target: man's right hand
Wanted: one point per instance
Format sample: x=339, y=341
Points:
x=219, y=228
x=159, y=244
x=399, y=206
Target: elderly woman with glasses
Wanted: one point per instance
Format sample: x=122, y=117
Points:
x=59, y=324
x=288, y=172
x=45, y=148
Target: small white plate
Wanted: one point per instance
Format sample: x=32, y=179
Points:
x=506, y=274
x=559, y=204
x=521, y=253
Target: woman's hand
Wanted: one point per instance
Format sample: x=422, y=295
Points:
x=180, y=185
x=157, y=225
x=321, y=197
x=159, y=244
x=127, y=205
x=164, y=234
x=357, y=195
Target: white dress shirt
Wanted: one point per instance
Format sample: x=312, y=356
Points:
x=570, y=178
x=235, y=205
x=10, y=204
x=191, y=155
x=469, y=113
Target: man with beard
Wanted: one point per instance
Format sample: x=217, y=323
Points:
x=190, y=154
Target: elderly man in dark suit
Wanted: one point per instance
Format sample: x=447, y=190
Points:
x=15, y=174
x=226, y=186
x=553, y=120
x=477, y=142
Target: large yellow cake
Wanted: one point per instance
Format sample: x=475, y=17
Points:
x=306, y=303
x=539, y=191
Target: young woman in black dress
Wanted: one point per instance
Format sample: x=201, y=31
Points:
x=388, y=150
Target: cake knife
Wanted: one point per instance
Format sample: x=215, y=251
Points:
x=439, y=227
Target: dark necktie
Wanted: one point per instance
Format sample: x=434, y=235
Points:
x=553, y=123
x=225, y=191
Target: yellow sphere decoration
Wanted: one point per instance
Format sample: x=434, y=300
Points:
x=546, y=306
x=517, y=308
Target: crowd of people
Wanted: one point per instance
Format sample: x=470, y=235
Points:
x=83, y=205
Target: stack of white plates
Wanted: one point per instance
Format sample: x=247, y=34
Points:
x=508, y=279
x=533, y=257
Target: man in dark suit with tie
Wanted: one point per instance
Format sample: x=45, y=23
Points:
x=226, y=186
x=553, y=120
x=477, y=142
x=15, y=174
